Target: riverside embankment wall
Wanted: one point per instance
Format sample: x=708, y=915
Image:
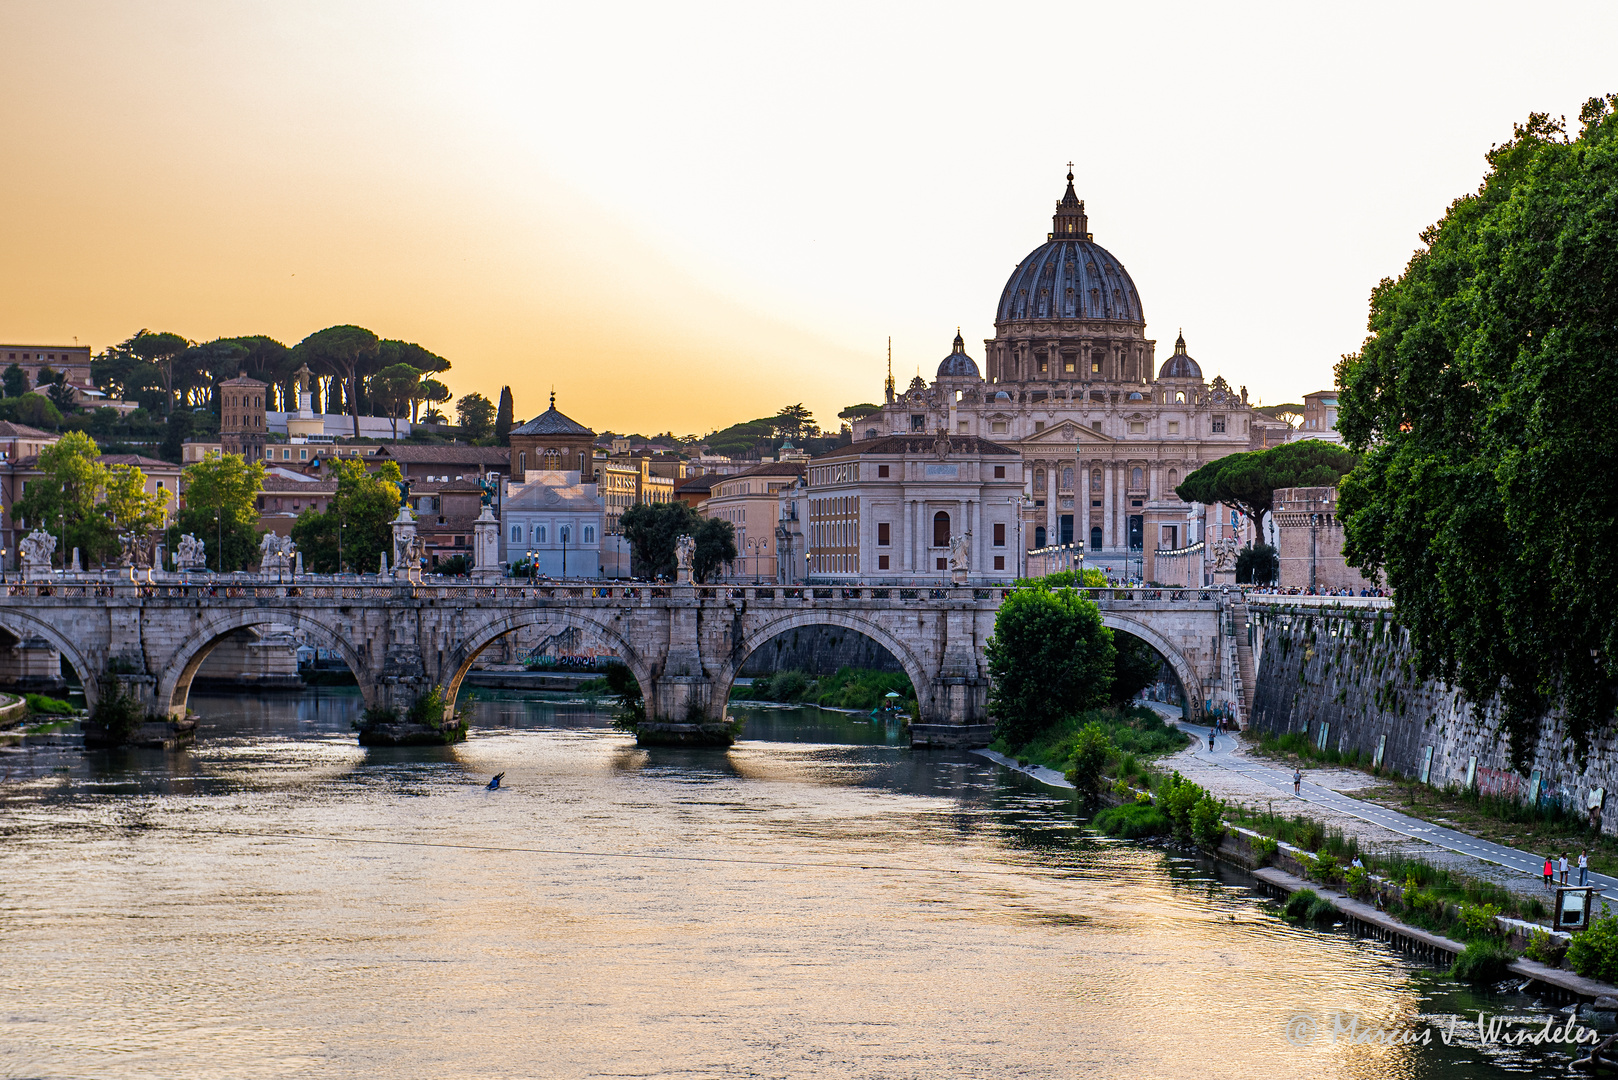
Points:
x=1344, y=677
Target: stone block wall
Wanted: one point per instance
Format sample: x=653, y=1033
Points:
x=1310, y=541
x=1345, y=678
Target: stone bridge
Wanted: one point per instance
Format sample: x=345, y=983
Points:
x=684, y=643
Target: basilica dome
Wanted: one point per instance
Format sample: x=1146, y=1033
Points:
x=958, y=365
x=1070, y=276
x=1180, y=365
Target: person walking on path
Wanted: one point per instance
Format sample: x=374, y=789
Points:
x=1210, y=740
x=1562, y=866
x=1297, y=782
x=1584, y=869
x=1549, y=870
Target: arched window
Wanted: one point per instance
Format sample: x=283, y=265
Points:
x=1179, y=397
x=941, y=529
x=1067, y=478
x=551, y=459
x=564, y=534
x=516, y=534
x=1174, y=479
x=522, y=462
x=1136, y=479
x=1095, y=538
x=539, y=535
x=1039, y=479
x=1039, y=536
x=589, y=534
x=1095, y=479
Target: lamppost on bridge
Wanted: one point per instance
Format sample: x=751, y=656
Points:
x=219, y=539
x=61, y=521
x=341, y=525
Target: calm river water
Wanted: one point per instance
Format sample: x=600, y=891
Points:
x=816, y=902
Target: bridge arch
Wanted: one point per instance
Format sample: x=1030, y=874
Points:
x=1184, y=669
x=24, y=626
x=174, y=682
x=459, y=662
x=757, y=636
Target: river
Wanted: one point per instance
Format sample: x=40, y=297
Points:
x=818, y=901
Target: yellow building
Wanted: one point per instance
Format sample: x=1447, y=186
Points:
x=750, y=501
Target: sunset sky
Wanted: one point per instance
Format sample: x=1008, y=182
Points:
x=682, y=216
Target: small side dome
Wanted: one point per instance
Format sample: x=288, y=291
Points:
x=1180, y=366
x=958, y=365
x=1135, y=395
x=1001, y=395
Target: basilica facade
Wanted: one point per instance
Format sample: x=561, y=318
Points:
x=1072, y=382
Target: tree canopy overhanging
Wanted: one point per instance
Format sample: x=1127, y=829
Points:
x=1248, y=481
x=1484, y=401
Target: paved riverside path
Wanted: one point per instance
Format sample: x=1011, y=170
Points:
x=1227, y=755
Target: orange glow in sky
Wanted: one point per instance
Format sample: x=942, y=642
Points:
x=682, y=216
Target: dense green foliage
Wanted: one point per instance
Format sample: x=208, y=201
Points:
x=1134, y=733
x=1091, y=749
x=849, y=688
x=49, y=706
x=1484, y=403
x=1258, y=564
x=1248, y=481
x=652, y=530
x=1134, y=667
x=86, y=504
x=504, y=417
x=477, y=415
x=362, y=511
x=1049, y=658
x=221, y=501
x=1088, y=578
x=629, y=703
x=1482, y=963
x=1132, y=821
x=1594, y=953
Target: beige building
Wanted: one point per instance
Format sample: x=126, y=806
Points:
x=1319, y=417
x=1311, y=541
x=624, y=481
x=71, y=360
x=750, y=502
x=1072, y=382
x=892, y=508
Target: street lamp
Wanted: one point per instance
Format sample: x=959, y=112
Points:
x=341, y=525
x=219, y=528
x=61, y=521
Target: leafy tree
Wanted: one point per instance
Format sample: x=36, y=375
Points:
x=15, y=381
x=393, y=387
x=227, y=486
x=1483, y=402
x=159, y=349
x=1257, y=565
x=477, y=415
x=83, y=502
x=652, y=529
x=433, y=392
x=362, y=510
x=793, y=422
x=32, y=409
x=1049, y=657
x=1090, y=750
x=716, y=546
x=62, y=395
x=503, y=418
x=1248, y=481
x=342, y=351
x=127, y=376
x=858, y=412
x=47, y=376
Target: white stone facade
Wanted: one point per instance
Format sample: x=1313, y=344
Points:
x=557, y=520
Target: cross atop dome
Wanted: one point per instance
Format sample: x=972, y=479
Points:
x=1069, y=222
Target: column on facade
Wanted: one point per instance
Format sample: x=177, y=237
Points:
x=1052, y=504
x=1108, y=541
x=978, y=562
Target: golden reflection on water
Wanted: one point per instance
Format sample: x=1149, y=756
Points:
x=827, y=911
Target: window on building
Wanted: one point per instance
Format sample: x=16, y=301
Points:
x=1042, y=365
x=551, y=459
x=564, y=533
x=941, y=529
x=1039, y=479
x=999, y=427
x=999, y=562
x=1174, y=427
x=999, y=534
x=882, y=534
x=516, y=534
x=522, y=462
x=882, y=562
x=1067, y=364
x=882, y=472
x=589, y=534
x=1095, y=538
x=1137, y=479
x=1219, y=424
x=943, y=564
x=918, y=422
x=1039, y=536
x=1067, y=478
x=303, y=455
x=1039, y=425
x=1095, y=425
x=539, y=535
x=1137, y=427
x=960, y=427
x=999, y=472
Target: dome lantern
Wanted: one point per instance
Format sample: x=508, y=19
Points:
x=1069, y=221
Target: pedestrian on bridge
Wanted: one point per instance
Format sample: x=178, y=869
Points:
x=1584, y=869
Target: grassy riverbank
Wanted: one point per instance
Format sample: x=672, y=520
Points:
x=848, y=688
x=1137, y=735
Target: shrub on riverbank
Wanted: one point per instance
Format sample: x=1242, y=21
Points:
x=1482, y=962
x=849, y=688
x=49, y=706
x=1594, y=953
x=1133, y=821
x=1134, y=733
x=1308, y=906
